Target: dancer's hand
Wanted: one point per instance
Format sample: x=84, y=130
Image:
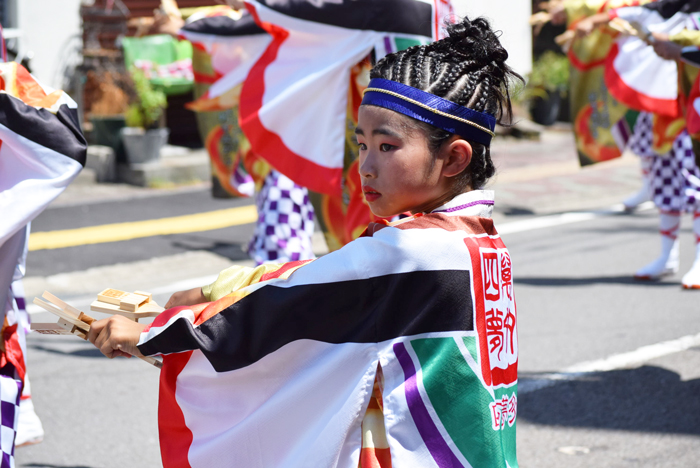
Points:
x=587, y=25
x=660, y=36
x=190, y=297
x=666, y=49
x=116, y=336
x=557, y=13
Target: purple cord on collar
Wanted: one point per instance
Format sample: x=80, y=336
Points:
x=461, y=207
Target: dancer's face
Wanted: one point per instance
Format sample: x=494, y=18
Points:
x=397, y=169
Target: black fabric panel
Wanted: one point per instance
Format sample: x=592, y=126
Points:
x=225, y=26
x=397, y=16
x=668, y=8
x=359, y=311
x=59, y=132
x=692, y=56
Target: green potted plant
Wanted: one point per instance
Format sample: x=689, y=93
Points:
x=547, y=87
x=145, y=133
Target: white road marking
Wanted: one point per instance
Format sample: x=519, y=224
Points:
x=182, y=285
x=541, y=222
x=614, y=362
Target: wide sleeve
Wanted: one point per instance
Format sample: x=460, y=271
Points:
x=237, y=277
x=686, y=37
x=373, y=289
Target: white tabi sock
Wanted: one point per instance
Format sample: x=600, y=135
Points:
x=667, y=262
x=644, y=194
x=691, y=280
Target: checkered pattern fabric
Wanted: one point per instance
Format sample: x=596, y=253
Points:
x=675, y=178
x=10, y=392
x=285, y=222
x=640, y=142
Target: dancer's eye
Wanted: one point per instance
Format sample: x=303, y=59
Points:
x=386, y=147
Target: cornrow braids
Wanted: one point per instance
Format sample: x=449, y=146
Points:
x=467, y=67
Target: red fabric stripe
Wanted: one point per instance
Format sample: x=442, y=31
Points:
x=632, y=98
x=577, y=63
x=672, y=233
x=268, y=144
x=13, y=351
x=282, y=270
x=494, y=376
x=204, y=78
x=164, y=316
x=175, y=437
x=479, y=308
x=375, y=458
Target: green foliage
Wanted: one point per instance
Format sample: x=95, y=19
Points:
x=550, y=72
x=148, y=109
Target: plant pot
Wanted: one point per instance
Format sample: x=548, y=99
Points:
x=564, y=109
x=106, y=132
x=143, y=146
x=544, y=111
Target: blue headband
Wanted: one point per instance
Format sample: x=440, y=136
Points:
x=428, y=108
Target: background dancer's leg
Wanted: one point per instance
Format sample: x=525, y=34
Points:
x=644, y=194
x=667, y=263
x=30, y=431
x=285, y=224
x=691, y=280
x=29, y=428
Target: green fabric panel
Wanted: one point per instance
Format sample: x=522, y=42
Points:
x=631, y=118
x=470, y=343
x=405, y=42
x=462, y=404
x=508, y=439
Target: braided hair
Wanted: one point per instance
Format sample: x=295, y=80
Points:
x=467, y=67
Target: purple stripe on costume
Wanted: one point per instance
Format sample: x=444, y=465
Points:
x=241, y=177
x=461, y=207
x=443, y=456
x=21, y=303
x=624, y=130
x=387, y=44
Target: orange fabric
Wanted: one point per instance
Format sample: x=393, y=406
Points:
x=13, y=352
x=375, y=452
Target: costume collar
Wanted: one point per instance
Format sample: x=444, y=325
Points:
x=475, y=203
x=431, y=109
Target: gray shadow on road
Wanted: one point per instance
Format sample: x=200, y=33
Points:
x=591, y=280
x=46, y=465
x=90, y=352
x=231, y=250
x=646, y=399
x=510, y=210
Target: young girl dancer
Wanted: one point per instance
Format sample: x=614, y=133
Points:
x=400, y=349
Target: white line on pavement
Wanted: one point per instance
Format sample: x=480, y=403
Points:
x=616, y=361
x=168, y=289
x=539, y=222
x=564, y=218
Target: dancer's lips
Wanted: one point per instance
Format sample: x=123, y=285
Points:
x=370, y=194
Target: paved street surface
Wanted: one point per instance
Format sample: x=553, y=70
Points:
x=579, y=310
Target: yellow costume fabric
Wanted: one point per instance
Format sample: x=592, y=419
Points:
x=601, y=123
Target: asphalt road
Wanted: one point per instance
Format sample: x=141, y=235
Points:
x=576, y=303
x=229, y=242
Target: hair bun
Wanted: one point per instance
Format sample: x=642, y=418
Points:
x=476, y=39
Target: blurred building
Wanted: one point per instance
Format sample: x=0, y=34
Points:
x=511, y=17
x=45, y=28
